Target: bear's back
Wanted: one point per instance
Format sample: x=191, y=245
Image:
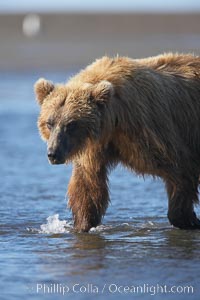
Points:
x=184, y=65
x=118, y=69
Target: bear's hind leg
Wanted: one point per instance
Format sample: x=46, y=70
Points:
x=181, y=205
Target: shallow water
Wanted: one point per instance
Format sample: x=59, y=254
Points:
x=134, y=253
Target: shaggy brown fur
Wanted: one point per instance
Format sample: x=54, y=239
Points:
x=142, y=113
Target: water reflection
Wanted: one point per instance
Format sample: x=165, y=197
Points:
x=81, y=254
x=183, y=244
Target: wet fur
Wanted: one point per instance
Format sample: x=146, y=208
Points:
x=150, y=123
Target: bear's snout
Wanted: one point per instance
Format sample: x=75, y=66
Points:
x=56, y=147
x=54, y=156
x=51, y=154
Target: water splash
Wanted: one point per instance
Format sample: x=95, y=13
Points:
x=54, y=225
x=111, y=228
x=100, y=228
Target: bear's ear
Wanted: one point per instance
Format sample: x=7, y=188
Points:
x=102, y=91
x=42, y=88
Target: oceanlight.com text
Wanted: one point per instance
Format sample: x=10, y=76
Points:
x=110, y=288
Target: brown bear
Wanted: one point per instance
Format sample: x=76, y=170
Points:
x=143, y=113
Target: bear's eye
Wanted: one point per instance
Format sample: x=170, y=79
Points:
x=49, y=125
x=71, y=126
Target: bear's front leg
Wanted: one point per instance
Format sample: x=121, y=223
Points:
x=88, y=196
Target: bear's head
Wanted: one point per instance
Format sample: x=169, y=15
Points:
x=71, y=116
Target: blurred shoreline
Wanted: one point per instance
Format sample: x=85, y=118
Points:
x=71, y=40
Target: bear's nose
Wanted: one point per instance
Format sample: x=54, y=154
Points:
x=51, y=154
